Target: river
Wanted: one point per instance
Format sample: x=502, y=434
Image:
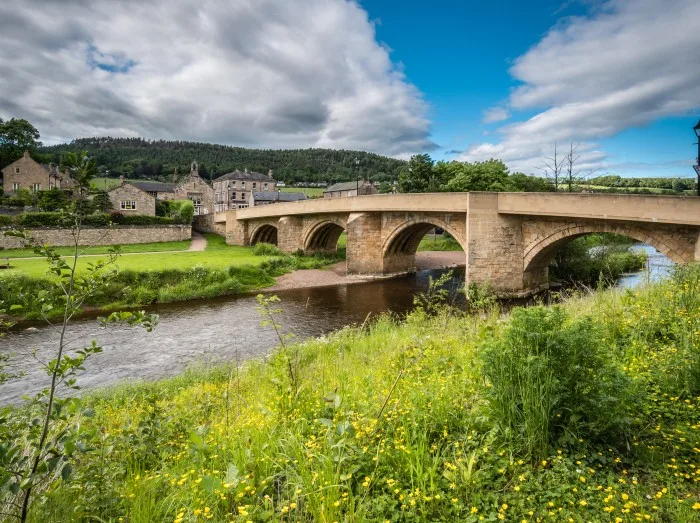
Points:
x=210, y=331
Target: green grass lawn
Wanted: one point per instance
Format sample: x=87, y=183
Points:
x=310, y=192
x=217, y=256
x=110, y=183
x=102, y=249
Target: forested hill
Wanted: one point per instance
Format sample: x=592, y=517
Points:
x=157, y=159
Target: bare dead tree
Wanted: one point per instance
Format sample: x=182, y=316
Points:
x=572, y=173
x=553, y=166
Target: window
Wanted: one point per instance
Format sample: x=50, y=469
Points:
x=128, y=205
x=233, y=195
x=36, y=187
x=16, y=170
x=266, y=186
x=242, y=185
x=255, y=185
x=15, y=187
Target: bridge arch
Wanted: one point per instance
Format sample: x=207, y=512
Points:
x=541, y=252
x=400, y=246
x=323, y=236
x=264, y=233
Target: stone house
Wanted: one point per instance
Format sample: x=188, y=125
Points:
x=234, y=190
x=129, y=199
x=159, y=190
x=29, y=174
x=346, y=189
x=195, y=188
x=268, y=197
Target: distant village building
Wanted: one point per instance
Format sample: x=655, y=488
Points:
x=29, y=174
x=195, y=188
x=346, y=189
x=233, y=190
x=127, y=199
x=159, y=190
x=268, y=197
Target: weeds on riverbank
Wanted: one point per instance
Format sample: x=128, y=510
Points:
x=418, y=421
x=131, y=288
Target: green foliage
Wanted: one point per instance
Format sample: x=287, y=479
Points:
x=6, y=220
x=384, y=187
x=16, y=136
x=42, y=219
x=491, y=175
x=419, y=175
x=137, y=158
x=53, y=200
x=596, y=259
x=266, y=249
x=23, y=198
x=671, y=184
x=180, y=211
x=552, y=382
x=102, y=202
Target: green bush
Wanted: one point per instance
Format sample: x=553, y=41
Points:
x=5, y=220
x=180, y=211
x=139, y=219
x=53, y=200
x=41, y=219
x=551, y=382
x=266, y=249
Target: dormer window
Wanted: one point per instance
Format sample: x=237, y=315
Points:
x=16, y=170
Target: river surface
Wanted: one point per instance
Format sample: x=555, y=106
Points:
x=213, y=331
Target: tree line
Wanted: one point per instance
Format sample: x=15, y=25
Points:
x=158, y=159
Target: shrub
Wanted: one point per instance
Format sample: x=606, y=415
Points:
x=102, y=201
x=266, y=249
x=41, y=219
x=5, y=220
x=53, y=200
x=552, y=382
x=139, y=219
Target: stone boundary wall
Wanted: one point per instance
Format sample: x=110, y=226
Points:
x=121, y=235
x=208, y=223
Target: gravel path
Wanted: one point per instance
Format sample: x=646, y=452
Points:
x=199, y=242
x=335, y=274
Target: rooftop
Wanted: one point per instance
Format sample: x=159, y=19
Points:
x=150, y=186
x=277, y=196
x=244, y=175
x=345, y=186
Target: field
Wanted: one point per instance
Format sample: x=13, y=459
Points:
x=218, y=255
x=310, y=192
x=109, y=183
x=439, y=418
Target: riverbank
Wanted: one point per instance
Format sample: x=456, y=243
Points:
x=403, y=421
x=336, y=274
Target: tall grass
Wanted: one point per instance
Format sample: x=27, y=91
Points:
x=580, y=412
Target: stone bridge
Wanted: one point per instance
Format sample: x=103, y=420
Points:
x=508, y=238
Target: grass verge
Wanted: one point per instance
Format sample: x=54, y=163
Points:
x=402, y=422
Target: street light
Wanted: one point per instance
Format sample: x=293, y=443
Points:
x=696, y=129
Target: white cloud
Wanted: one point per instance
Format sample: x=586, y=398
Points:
x=628, y=64
x=495, y=114
x=259, y=73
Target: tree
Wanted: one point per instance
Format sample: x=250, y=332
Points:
x=553, y=166
x=52, y=200
x=16, y=136
x=572, y=173
x=491, y=175
x=384, y=188
x=520, y=182
x=418, y=175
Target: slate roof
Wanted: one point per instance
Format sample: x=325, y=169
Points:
x=345, y=186
x=149, y=186
x=276, y=196
x=246, y=176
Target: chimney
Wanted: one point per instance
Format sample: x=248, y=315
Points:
x=121, y=180
x=246, y=170
x=269, y=173
x=26, y=154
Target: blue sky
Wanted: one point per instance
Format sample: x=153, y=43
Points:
x=459, y=55
x=461, y=80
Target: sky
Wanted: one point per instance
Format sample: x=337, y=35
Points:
x=459, y=80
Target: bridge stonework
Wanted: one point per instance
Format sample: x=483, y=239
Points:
x=508, y=238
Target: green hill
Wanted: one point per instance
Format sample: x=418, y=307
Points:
x=157, y=159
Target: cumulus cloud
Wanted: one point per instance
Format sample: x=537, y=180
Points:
x=495, y=114
x=627, y=64
x=258, y=73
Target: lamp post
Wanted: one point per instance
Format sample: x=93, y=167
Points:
x=696, y=129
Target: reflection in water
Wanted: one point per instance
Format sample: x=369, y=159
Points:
x=227, y=329
x=206, y=332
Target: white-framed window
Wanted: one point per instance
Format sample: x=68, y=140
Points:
x=36, y=187
x=16, y=170
x=127, y=205
x=15, y=187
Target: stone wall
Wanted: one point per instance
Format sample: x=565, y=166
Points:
x=207, y=223
x=121, y=235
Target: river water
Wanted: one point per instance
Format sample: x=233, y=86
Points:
x=212, y=331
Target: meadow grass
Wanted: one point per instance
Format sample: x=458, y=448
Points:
x=310, y=192
x=103, y=249
x=400, y=421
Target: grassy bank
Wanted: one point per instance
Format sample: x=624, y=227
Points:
x=582, y=412
x=144, y=279
x=103, y=249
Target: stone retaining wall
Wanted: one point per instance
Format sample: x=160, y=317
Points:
x=208, y=223
x=121, y=235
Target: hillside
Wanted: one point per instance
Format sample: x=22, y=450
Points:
x=157, y=159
